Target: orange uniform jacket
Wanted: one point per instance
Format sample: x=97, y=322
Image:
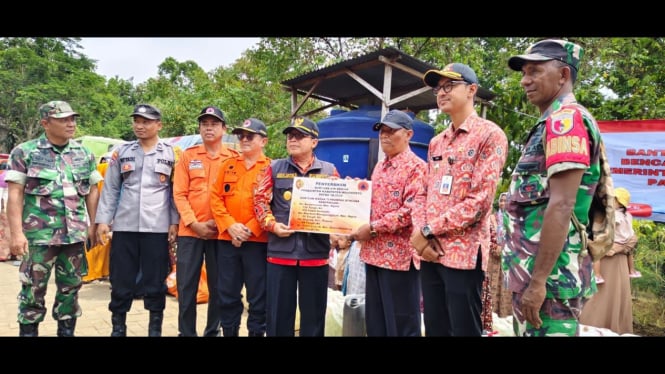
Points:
x=101, y=168
x=231, y=198
x=195, y=173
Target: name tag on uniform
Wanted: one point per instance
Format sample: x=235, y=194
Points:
x=436, y=160
x=446, y=184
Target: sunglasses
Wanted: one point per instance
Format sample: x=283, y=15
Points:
x=247, y=135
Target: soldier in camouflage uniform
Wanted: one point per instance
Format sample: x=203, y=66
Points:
x=52, y=204
x=555, y=177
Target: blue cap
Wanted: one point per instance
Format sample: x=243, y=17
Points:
x=395, y=119
x=455, y=71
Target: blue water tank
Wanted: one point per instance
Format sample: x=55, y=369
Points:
x=347, y=139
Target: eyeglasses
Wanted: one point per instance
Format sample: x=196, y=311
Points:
x=297, y=135
x=247, y=135
x=447, y=87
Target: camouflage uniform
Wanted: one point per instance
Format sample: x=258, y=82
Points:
x=570, y=282
x=55, y=223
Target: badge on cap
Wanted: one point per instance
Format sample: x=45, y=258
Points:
x=142, y=109
x=247, y=123
x=210, y=110
x=451, y=72
x=298, y=121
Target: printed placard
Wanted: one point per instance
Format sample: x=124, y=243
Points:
x=329, y=206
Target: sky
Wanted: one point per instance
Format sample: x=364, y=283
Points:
x=139, y=58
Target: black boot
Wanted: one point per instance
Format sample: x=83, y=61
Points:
x=230, y=332
x=66, y=327
x=119, y=327
x=256, y=334
x=155, y=324
x=28, y=329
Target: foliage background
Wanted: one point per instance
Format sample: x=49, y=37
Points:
x=620, y=78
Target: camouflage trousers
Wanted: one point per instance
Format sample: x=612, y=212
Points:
x=34, y=274
x=560, y=317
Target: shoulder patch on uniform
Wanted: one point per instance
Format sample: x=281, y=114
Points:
x=562, y=121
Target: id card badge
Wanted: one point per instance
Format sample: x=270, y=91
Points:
x=446, y=184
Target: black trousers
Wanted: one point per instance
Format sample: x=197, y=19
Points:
x=451, y=299
x=304, y=287
x=392, y=302
x=238, y=266
x=131, y=251
x=189, y=259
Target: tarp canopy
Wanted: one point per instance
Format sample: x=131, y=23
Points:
x=99, y=145
x=186, y=141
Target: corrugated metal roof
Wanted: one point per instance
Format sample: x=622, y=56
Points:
x=336, y=83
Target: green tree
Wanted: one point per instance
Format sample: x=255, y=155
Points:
x=37, y=70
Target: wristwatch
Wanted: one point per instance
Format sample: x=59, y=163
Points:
x=372, y=232
x=427, y=232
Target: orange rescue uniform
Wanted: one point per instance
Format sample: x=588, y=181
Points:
x=231, y=198
x=197, y=172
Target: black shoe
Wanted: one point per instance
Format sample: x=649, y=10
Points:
x=66, y=327
x=155, y=324
x=119, y=327
x=230, y=332
x=30, y=330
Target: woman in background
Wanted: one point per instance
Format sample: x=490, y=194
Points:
x=612, y=306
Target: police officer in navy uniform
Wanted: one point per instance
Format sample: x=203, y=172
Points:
x=137, y=198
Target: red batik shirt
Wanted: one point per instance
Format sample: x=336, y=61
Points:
x=473, y=156
x=396, y=184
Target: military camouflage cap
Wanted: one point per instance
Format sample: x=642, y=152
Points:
x=56, y=109
x=549, y=49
